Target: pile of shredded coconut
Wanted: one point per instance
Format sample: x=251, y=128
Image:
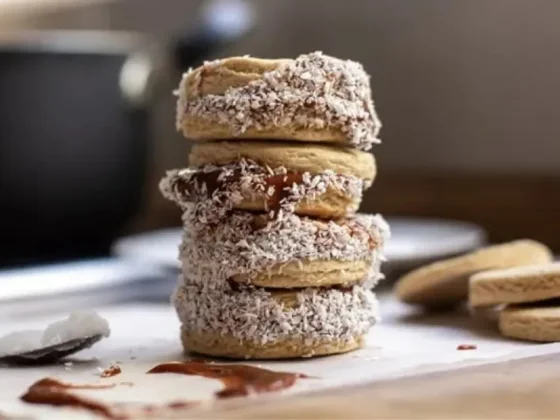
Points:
x=246, y=178
x=214, y=253
x=77, y=325
x=254, y=314
x=314, y=91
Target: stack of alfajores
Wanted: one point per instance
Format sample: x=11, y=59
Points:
x=276, y=262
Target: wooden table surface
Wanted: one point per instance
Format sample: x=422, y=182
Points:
x=524, y=389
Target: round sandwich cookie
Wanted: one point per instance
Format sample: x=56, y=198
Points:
x=533, y=322
x=286, y=252
x=313, y=98
x=445, y=283
x=244, y=323
x=515, y=285
x=309, y=180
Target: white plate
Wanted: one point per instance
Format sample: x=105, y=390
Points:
x=412, y=241
x=81, y=284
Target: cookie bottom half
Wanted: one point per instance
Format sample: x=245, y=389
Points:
x=314, y=274
x=228, y=346
x=532, y=322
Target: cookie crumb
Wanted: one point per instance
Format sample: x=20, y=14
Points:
x=112, y=370
x=466, y=347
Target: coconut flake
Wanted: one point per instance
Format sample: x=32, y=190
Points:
x=77, y=325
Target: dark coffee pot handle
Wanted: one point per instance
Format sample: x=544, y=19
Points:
x=136, y=79
x=222, y=23
x=192, y=50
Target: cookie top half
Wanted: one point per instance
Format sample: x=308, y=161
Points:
x=530, y=283
x=313, y=98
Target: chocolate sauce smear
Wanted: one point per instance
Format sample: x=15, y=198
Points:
x=238, y=380
x=53, y=392
x=50, y=391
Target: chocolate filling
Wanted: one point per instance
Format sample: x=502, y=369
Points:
x=239, y=287
x=238, y=380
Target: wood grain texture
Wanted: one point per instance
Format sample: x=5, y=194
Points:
x=512, y=390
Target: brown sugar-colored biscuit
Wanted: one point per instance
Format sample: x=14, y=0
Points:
x=313, y=98
x=445, y=282
x=310, y=180
x=533, y=322
x=515, y=285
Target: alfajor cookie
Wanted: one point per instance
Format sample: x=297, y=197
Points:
x=258, y=323
x=285, y=252
x=445, y=282
x=313, y=98
x=309, y=180
x=515, y=285
x=534, y=322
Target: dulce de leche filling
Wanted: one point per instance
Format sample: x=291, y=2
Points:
x=274, y=188
x=214, y=190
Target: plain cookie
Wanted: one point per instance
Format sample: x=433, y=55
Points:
x=531, y=322
x=445, y=283
x=515, y=285
x=313, y=98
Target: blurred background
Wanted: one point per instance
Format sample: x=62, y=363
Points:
x=467, y=91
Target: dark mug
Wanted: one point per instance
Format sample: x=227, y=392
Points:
x=73, y=140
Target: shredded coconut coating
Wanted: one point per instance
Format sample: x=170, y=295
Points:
x=314, y=91
x=215, y=253
x=246, y=178
x=254, y=315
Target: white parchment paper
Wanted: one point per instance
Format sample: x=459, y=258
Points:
x=405, y=343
